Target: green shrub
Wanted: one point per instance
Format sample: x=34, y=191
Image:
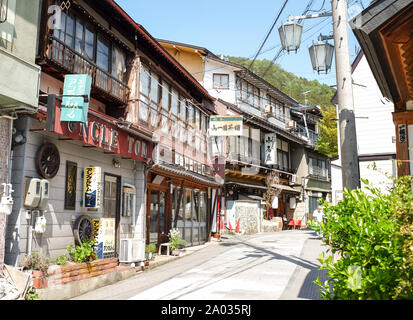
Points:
x=150, y=248
x=61, y=260
x=365, y=230
x=35, y=261
x=83, y=253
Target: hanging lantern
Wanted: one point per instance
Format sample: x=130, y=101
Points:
x=321, y=54
x=290, y=34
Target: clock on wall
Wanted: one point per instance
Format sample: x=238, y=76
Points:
x=48, y=160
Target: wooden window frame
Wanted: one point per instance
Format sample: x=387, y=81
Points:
x=220, y=75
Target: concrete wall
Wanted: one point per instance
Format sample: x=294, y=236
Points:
x=18, y=39
x=59, y=233
x=247, y=212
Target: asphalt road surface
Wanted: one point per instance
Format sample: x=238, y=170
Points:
x=265, y=266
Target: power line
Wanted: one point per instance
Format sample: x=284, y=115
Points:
x=268, y=34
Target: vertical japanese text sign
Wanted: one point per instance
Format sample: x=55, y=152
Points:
x=75, y=109
x=270, y=144
x=92, y=187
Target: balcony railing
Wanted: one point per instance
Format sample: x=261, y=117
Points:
x=312, y=137
x=73, y=62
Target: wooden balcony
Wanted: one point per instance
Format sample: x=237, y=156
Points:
x=67, y=60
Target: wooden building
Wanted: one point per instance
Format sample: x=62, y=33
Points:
x=385, y=33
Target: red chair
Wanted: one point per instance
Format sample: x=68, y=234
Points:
x=298, y=224
x=291, y=224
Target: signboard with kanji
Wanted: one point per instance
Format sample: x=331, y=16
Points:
x=92, y=187
x=270, y=144
x=225, y=125
x=104, y=237
x=74, y=105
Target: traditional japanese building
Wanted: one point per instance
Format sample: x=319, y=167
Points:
x=135, y=166
x=385, y=33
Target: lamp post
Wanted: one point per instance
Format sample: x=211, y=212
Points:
x=321, y=54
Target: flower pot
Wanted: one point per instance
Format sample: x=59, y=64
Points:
x=148, y=255
x=176, y=252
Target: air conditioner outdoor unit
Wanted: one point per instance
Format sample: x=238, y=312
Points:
x=292, y=124
x=132, y=250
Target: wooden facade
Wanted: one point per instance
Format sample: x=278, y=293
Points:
x=386, y=37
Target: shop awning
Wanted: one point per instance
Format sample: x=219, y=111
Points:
x=181, y=173
x=285, y=188
x=247, y=185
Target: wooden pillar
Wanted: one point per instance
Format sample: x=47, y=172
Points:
x=401, y=122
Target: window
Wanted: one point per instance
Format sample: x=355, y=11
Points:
x=118, y=64
x=283, y=154
x=221, y=81
x=317, y=167
x=191, y=115
x=165, y=95
x=102, y=55
x=174, y=102
x=182, y=116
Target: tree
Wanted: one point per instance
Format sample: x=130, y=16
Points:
x=327, y=144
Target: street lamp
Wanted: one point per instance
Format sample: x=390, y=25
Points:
x=290, y=34
x=321, y=55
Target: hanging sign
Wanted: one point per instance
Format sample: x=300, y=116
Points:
x=92, y=187
x=74, y=105
x=225, y=125
x=270, y=143
x=104, y=237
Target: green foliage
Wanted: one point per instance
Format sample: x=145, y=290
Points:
x=175, y=239
x=35, y=261
x=83, y=253
x=327, y=144
x=61, y=260
x=31, y=294
x=319, y=94
x=150, y=248
x=366, y=230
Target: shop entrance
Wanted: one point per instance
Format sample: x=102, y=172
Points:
x=157, y=216
x=111, y=197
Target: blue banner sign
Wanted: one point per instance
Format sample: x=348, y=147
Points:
x=74, y=106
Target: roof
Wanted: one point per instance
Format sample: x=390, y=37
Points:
x=244, y=72
x=380, y=30
x=257, y=81
x=180, y=172
x=144, y=35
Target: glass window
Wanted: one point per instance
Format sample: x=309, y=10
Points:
x=165, y=95
x=197, y=119
x=145, y=82
x=70, y=29
x=174, y=102
x=79, y=43
x=221, y=81
x=102, y=56
x=89, y=44
x=183, y=111
x=118, y=64
x=60, y=33
x=154, y=88
x=191, y=114
x=257, y=99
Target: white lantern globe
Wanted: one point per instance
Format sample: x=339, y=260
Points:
x=290, y=35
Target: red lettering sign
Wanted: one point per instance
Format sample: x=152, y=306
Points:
x=101, y=133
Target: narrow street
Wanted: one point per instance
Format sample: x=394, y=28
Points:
x=266, y=266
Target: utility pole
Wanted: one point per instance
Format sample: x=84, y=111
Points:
x=347, y=122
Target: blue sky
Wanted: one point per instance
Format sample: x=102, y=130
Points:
x=237, y=27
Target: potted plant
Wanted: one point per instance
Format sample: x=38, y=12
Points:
x=150, y=251
x=176, y=242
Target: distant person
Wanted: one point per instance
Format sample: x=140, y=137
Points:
x=318, y=216
x=285, y=222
